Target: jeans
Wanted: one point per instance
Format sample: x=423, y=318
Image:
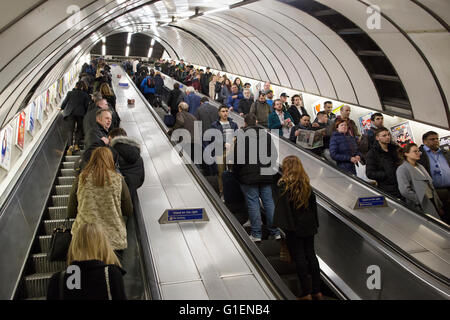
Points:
x=303, y=254
x=252, y=195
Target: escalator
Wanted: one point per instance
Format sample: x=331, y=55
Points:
x=38, y=270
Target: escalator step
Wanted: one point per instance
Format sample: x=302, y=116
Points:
x=60, y=201
x=291, y=281
x=281, y=267
x=270, y=247
x=36, y=284
x=68, y=165
x=71, y=158
x=66, y=181
x=63, y=190
x=67, y=172
x=44, y=242
x=57, y=213
x=42, y=265
x=50, y=225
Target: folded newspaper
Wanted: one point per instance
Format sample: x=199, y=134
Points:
x=310, y=139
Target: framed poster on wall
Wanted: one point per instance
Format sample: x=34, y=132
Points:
x=402, y=134
x=20, y=130
x=40, y=110
x=31, y=121
x=365, y=123
x=6, y=140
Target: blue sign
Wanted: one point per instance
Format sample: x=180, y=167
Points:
x=184, y=215
x=123, y=85
x=371, y=202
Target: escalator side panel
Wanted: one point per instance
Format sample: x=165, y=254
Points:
x=20, y=217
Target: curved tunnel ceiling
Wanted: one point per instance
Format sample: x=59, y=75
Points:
x=266, y=40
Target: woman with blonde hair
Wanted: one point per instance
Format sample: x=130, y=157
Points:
x=99, y=269
x=296, y=215
x=108, y=94
x=100, y=195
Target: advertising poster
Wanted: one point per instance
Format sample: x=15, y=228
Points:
x=310, y=139
x=48, y=105
x=40, y=109
x=6, y=139
x=319, y=106
x=402, y=134
x=20, y=134
x=364, y=123
x=444, y=142
x=31, y=121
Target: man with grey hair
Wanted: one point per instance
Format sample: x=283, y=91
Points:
x=192, y=99
x=185, y=120
x=245, y=104
x=98, y=135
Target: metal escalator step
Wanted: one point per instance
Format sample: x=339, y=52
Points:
x=68, y=165
x=72, y=158
x=36, y=284
x=67, y=172
x=66, y=181
x=60, y=201
x=292, y=282
x=281, y=267
x=270, y=247
x=37, y=299
x=42, y=265
x=44, y=242
x=63, y=190
x=57, y=213
x=50, y=225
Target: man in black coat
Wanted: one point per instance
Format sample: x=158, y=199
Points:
x=245, y=104
x=128, y=153
x=97, y=136
x=382, y=162
x=297, y=110
x=176, y=96
x=89, y=121
x=205, y=79
x=74, y=108
x=256, y=178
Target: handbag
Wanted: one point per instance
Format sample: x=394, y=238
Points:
x=285, y=255
x=59, y=245
x=169, y=120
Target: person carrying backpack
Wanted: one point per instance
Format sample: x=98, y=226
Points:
x=148, y=88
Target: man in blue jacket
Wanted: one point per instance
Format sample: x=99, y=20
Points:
x=192, y=99
x=234, y=98
x=148, y=88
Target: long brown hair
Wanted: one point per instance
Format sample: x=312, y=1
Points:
x=99, y=165
x=295, y=181
x=105, y=90
x=91, y=243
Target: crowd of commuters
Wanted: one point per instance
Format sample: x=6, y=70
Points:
x=343, y=144
x=103, y=194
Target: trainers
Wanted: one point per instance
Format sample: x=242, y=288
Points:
x=69, y=152
x=247, y=224
x=277, y=237
x=255, y=239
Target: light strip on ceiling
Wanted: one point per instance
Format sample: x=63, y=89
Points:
x=217, y=10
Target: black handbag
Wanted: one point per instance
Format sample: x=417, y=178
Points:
x=169, y=120
x=59, y=245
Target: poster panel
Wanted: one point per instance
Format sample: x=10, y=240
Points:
x=402, y=134
x=444, y=142
x=31, y=121
x=6, y=139
x=20, y=130
x=365, y=123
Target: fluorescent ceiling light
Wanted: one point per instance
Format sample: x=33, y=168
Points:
x=129, y=38
x=127, y=51
x=152, y=43
x=103, y=50
x=217, y=10
x=104, y=40
x=150, y=52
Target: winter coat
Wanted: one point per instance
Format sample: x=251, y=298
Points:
x=196, y=85
x=90, y=120
x=223, y=94
x=251, y=174
x=145, y=88
x=293, y=111
x=186, y=121
x=159, y=84
x=212, y=90
x=103, y=205
x=244, y=106
x=176, y=96
x=218, y=126
x=130, y=161
x=303, y=221
x=381, y=166
x=234, y=103
x=93, y=283
x=274, y=122
x=204, y=81
x=193, y=101
x=261, y=111
x=342, y=149
x=93, y=140
x=207, y=114
x=412, y=186
x=75, y=104
x=111, y=101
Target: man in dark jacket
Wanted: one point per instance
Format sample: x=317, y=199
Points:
x=206, y=113
x=382, y=162
x=185, y=120
x=245, y=104
x=97, y=136
x=176, y=96
x=437, y=163
x=192, y=99
x=234, y=98
x=368, y=138
x=256, y=178
x=205, y=79
x=128, y=153
x=297, y=110
x=89, y=121
x=74, y=108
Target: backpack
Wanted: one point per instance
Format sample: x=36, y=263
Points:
x=150, y=82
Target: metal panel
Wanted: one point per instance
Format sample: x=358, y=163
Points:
x=177, y=291
x=242, y=288
x=439, y=7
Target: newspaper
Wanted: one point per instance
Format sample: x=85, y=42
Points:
x=310, y=139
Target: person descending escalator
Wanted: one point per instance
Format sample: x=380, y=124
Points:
x=296, y=215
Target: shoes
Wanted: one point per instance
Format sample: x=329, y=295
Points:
x=70, y=151
x=317, y=296
x=277, y=237
x=308, y=297
x=247, y=224
x=76, y=148
x=221, y=197
x=255, y=239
